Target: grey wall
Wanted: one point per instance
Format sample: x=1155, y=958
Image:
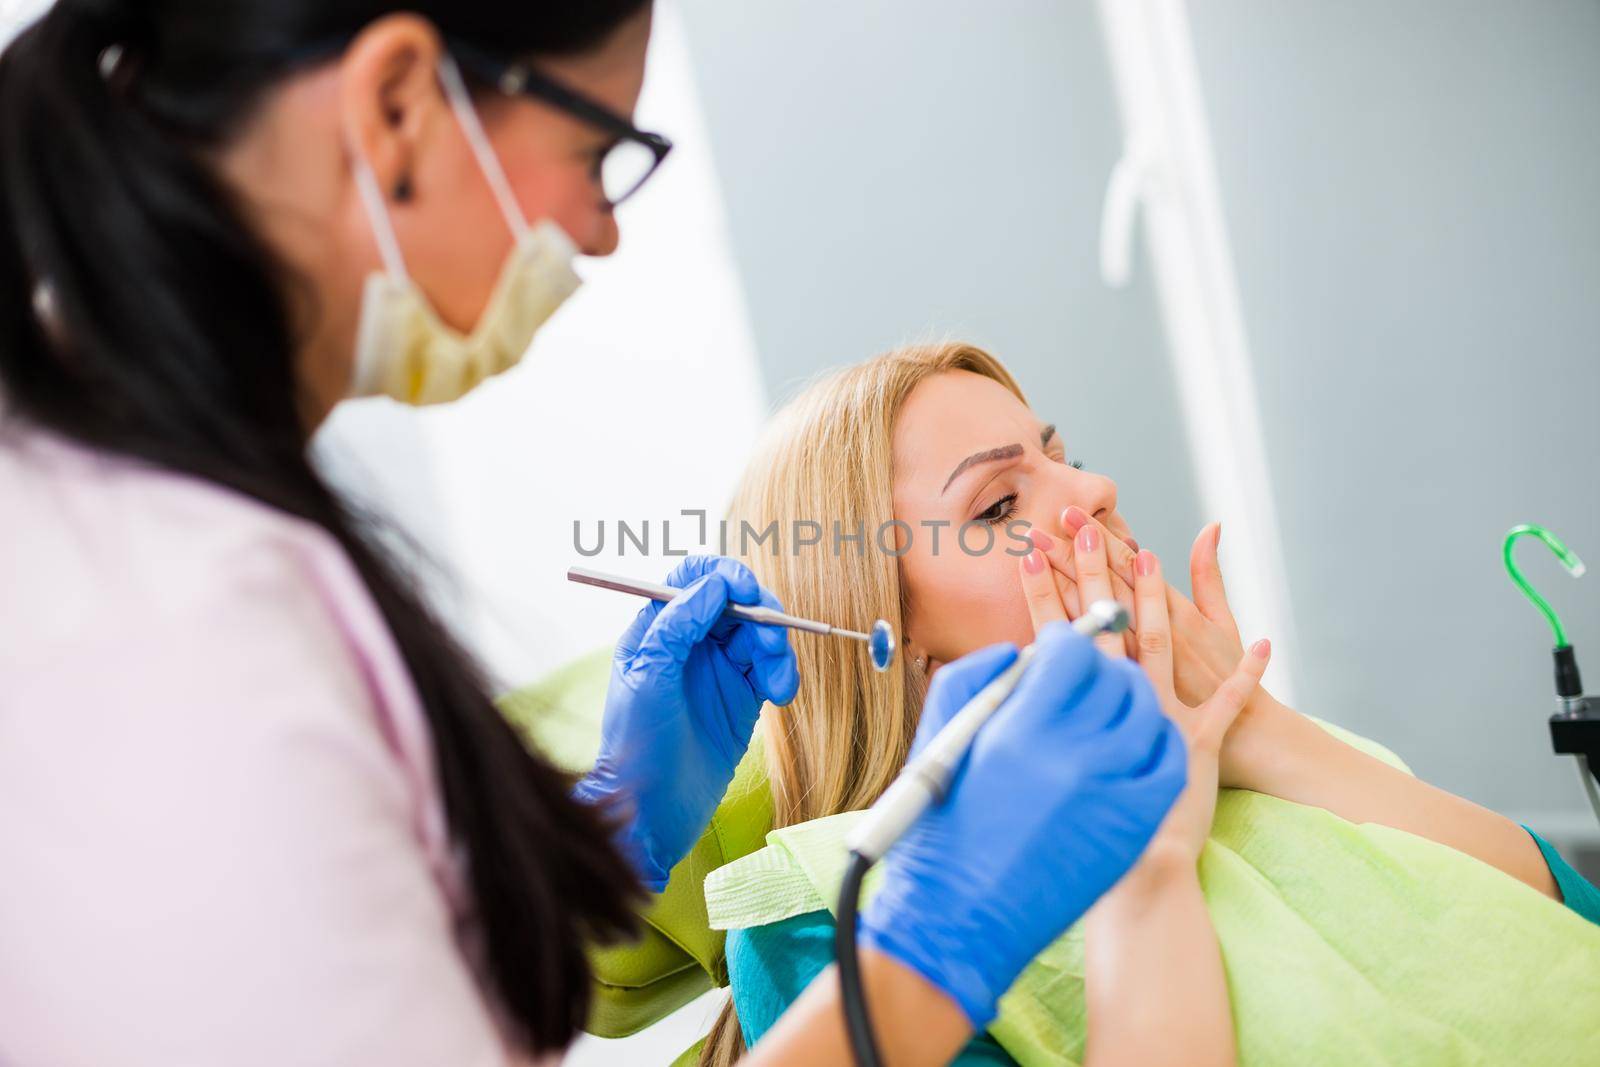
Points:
x=896, y=169
x=1413, y=194
x=1411, y=191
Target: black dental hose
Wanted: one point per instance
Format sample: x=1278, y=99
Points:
x=858, y=1025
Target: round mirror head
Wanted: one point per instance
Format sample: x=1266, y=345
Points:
x=881, y=645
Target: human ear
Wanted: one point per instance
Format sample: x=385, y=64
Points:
x=389, y=94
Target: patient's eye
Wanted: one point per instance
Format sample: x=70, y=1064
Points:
x=1000, y=511
x=1057, y=451
x=1060, y=456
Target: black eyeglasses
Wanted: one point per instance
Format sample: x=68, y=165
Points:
x=626, y=163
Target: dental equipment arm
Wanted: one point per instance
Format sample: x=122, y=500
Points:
x=1575, y=727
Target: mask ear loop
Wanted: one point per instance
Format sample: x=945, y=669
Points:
x=378, y=215
x=467, y=115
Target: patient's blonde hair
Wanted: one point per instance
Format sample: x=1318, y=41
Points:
x=827, y=457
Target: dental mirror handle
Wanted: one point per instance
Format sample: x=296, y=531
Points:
x=880, y=640
x=656, y=591
x=751, y=613
x=926, y=779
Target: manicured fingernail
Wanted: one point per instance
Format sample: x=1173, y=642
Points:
x=1088, y=539
x=1042, y=540
x=1262, y=648
x=1144, y=564
x=1033, y=562
x=1074, y=518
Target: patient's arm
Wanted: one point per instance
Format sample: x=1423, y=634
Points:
x=1289, y=756
x=1271, y=749
x=1154, y=983
x=920, y=1024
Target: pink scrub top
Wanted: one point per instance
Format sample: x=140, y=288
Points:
x=221, y=836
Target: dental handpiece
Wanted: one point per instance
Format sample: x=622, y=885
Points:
x=880, y=640
x=926, y=778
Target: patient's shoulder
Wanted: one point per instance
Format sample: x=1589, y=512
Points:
x=781, y=958
x=769, y=966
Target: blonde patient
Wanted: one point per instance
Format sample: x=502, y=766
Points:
x=939, y=439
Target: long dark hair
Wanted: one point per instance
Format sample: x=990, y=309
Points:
x=174, y=345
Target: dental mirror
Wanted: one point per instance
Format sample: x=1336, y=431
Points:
x=881, y=643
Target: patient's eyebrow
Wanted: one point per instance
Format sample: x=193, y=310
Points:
x=995, y=454
x=1003, y=452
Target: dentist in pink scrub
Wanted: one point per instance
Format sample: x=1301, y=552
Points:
x=256, y=804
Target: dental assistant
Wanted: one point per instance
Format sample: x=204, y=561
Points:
x=256, y=805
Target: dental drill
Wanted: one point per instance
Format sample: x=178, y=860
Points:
x=923, y=783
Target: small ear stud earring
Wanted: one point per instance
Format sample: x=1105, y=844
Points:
x=403, y=190
x=922, y=663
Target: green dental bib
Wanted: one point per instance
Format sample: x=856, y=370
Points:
x=1343, y=944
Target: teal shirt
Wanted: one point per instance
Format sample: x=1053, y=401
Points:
x=769, y=966
x=1576, y=891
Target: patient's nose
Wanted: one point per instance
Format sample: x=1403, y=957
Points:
x=1092, y=494
x=1101, y=498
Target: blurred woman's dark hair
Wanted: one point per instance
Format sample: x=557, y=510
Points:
x=141, y=316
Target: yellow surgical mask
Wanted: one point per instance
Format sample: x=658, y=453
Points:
x=403, y=349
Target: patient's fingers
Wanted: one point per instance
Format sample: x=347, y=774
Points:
x=1094, y=579
x=1155, y=632
x=1120, y=559
x=1218, y=714
x=1039, y=584
x=1059, y=553
x=1118, y=554
x=1068, y=590
x=1205, y=576
x=1194, y=676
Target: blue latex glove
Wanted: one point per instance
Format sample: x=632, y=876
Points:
x=1057, y=798
x=687, y=686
